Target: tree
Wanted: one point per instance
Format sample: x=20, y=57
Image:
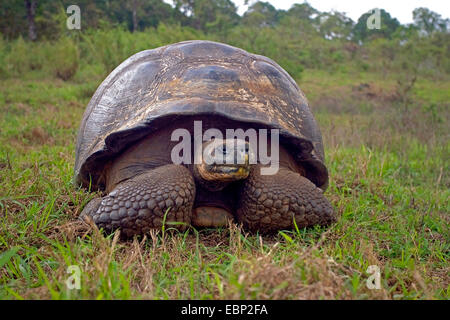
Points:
x=335, y=25
x=261, y=14
x=11, y=18
x=134, y=6
x=428, y=21
x=31, y=13
x=208, y=15
x=139, y=14
x=302, y=19
x=303, y=11
x=388, y=25
x=157, y=11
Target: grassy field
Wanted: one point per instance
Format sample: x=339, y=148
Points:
x=388, y=155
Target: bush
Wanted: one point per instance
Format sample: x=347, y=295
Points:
x=63, y=58
x=21, y=57
x=107, y=47
x=101, y=50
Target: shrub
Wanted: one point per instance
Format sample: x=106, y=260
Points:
x=63, y=58
x=17, y=59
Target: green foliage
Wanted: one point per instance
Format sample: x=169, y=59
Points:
x=64, y=58
x=261, y=14
x=209, y=15
x=59, y=58
x=302, y=11
x=21, y=57
x=335, y=25
x=301, y=37
x=109, y=48
x=12, y=18
x=428, y=21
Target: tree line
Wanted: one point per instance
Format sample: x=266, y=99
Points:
x=34, y=37
x=45, y=19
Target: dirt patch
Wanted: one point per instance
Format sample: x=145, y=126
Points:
x=38, y=136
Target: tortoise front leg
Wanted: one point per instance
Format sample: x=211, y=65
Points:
x=140, y=203
x=271, y=202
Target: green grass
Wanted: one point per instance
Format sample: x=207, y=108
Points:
x=389, y=184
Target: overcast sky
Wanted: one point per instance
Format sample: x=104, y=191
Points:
x=400, y=9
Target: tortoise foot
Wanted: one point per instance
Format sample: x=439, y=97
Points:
x=162, y=195
x=271, y=202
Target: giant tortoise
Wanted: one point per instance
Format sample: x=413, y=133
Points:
x=156, y=99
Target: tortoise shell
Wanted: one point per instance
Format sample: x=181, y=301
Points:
x=152, y=87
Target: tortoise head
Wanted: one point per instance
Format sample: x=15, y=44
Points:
x=222, y=161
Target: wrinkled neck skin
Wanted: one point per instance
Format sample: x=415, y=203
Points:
x=212, y=185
